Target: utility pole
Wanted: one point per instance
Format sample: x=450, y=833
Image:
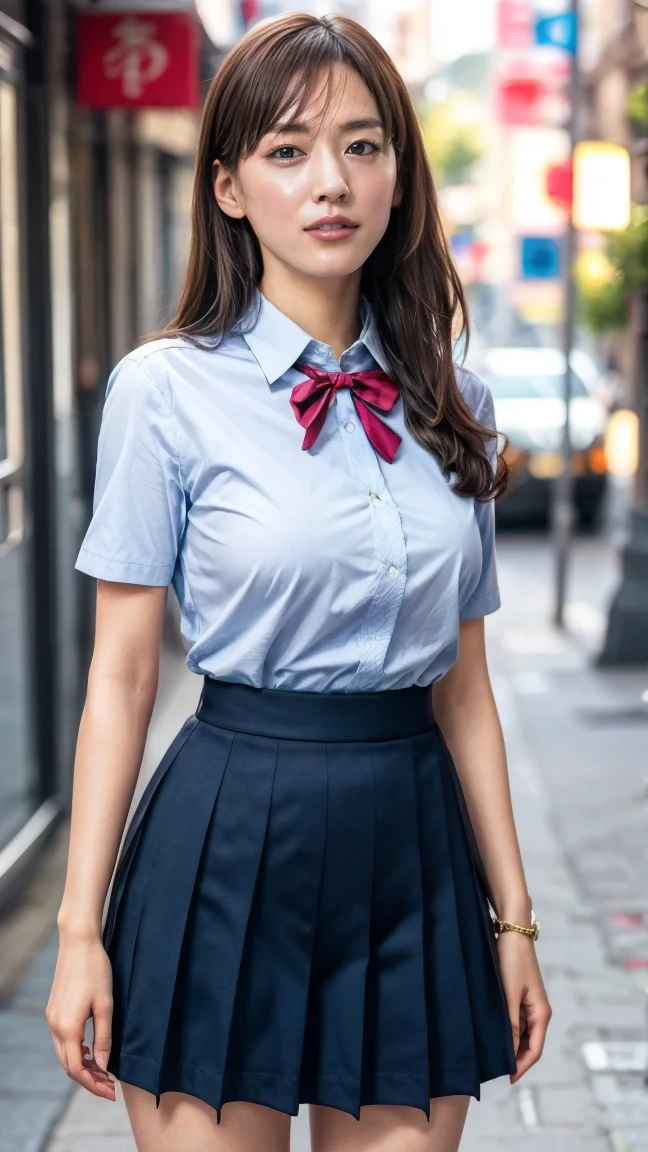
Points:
x=563, y=496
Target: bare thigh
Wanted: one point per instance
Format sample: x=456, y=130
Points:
x=390, y=1127
x=184, y=1123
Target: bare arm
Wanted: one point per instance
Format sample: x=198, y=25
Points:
x=465, y=709
x=122, y=685
x=467, y=715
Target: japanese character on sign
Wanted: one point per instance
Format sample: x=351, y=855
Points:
x=138, y=60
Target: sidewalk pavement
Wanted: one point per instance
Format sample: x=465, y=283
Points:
x=577, y=792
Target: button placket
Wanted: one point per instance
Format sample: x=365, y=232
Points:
x=391, y=554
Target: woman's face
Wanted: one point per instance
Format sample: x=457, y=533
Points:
x=334, y=162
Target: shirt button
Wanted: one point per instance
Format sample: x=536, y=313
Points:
x=372, y=495
x=349, y=426
x=393, y=569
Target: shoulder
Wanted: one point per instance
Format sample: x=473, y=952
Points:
x=477, y=394
x=160, y=367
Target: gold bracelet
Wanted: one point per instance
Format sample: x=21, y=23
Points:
x=505, y=926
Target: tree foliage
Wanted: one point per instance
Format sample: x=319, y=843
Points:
x=604, y=300
x=453, y=137
x=637, y=108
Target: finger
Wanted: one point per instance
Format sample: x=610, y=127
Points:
x=97, y=1086
x=73, y=1044
x=102, y=1024
x=514, y=1017
x=95, y=1082
x=59, y=1048
x=90, y=1064
x=533, y=1044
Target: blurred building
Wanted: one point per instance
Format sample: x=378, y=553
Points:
x=617, y=83
x=95, y=185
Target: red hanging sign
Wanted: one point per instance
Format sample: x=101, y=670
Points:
x=559, y=184
x=528, y=93
x=138, y=60
x=519, y=100
x=514, y=24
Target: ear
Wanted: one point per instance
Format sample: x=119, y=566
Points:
x=397, y=197
x=226, y=192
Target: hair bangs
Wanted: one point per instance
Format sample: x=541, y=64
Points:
x=298, y=69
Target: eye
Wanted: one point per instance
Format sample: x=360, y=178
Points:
x=362, y=143
x=283, y=148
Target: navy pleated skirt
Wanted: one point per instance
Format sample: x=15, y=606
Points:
x=299, y=912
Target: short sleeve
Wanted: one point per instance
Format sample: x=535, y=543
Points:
x=486, y=597
x=139, y=507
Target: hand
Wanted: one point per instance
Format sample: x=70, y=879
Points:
x=82, y=988
x=525, y=996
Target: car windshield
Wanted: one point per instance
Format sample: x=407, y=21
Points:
x=530, y=385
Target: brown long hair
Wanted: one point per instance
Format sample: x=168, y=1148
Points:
x=410, y=279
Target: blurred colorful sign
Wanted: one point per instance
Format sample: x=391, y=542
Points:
x=469, y=256
x=559, y=184
x=138, y=60
x=558, y=31
x=601, y=186
x=250, y=10
x=531, y=152
x=519, y=100
x=514, y=24
x=540, y=257
x=527, y=90
x=538, y=301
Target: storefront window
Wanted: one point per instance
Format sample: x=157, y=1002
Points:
x=17, y=767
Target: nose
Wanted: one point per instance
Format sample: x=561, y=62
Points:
x=328, y=179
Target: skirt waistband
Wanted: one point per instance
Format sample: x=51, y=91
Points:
x=331, y=716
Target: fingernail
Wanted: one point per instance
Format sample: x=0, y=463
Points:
x=102, y=1060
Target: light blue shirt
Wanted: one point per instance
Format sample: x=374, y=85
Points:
x=326, y=570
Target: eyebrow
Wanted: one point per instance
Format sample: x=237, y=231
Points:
x=348, y=126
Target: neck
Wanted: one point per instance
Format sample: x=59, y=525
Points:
x=326, y=308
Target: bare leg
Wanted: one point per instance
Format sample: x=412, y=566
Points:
x=184, y=1123
x=390, y=1127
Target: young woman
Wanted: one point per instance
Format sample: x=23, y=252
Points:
x=300, y=911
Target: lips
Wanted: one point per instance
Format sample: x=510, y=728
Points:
x=331, y=224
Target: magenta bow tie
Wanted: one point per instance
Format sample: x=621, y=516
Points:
x=311, y=400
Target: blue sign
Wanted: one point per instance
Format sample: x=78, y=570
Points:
x=558, y=31
x=540, y=258
x=460, y=244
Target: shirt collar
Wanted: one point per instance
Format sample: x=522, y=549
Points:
x=276, y=341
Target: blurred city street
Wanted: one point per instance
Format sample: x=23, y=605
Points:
x=576, y=739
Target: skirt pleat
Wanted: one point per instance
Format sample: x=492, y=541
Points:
x=453, y=1055
x=171, y=849
x=301, y=921
x=488, y=1007
x=395, y=1064
x=215, y=940
x=332, y=1056
x=269, y=1022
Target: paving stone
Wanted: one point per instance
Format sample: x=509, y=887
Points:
x=23, y=1031
x=26, y=1121
x=96, y=1143
x=89, y=1115
x=568, y=1106
x=560, y=1064
x=540, y=1141
x=37, y=1072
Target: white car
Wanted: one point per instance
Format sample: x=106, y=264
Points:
x=527, y=386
